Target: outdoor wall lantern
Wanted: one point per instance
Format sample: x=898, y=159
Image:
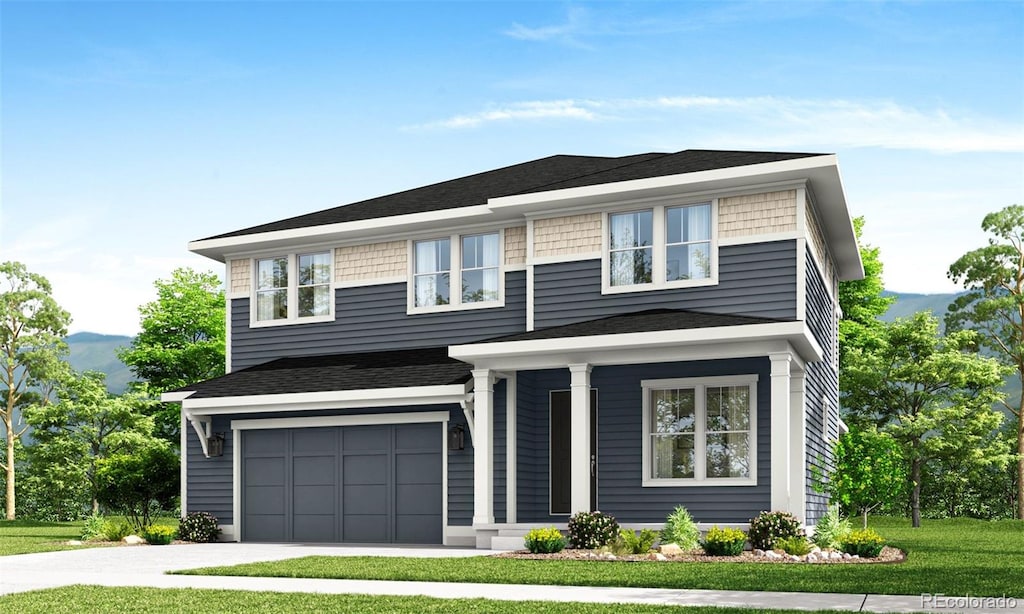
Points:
x=456, y=438
x=215, y=445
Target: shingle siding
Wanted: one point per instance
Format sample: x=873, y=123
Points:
x=567, y=235
x=753, y=280
x=822, y=392
x=371, y=318
x=750, y=214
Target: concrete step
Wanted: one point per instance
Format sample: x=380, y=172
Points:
x=507, y=542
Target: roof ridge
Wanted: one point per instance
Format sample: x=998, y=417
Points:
x=655, y=156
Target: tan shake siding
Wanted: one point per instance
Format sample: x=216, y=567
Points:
x=817, y=244
x=755, y=214
x=370, y=261
x=241, y=276
x=515, y=245
x=572, y=234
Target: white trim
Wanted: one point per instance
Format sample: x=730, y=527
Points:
x=483, y=447
x=530, y=290
x=699, y=384
x=176, y=397
x=236, y=294
x=509, y=268
x=335, y=399
x=454, y=274
x=718, y=341
x=238, y=426
x=376, y=281
x=293, y=289
x=343, y=420
x=227, y=316
x=762, y=237
x=227, y=533
x=557, y=258
x=579, y=446
x=511, y=471
x=781, y=495
x=183, y=471
x=203, y=426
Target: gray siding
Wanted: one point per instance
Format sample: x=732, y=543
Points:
x=209, y=479
x=822, y=393
x=372, y=318
x=753, y=280
x=460, y=467
x=620, y=436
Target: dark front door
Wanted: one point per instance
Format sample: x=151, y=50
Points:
x=561, y=443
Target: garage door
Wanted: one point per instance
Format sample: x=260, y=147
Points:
x=357, y=484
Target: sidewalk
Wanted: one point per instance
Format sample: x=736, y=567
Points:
x=145, y=566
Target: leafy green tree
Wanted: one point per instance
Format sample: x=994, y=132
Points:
x=869, y=471
x=32, y=328
x=993, y=305
x=862, y=303
x=931, y=393
x=182, y=340
x=140, y=483
x=84, y=426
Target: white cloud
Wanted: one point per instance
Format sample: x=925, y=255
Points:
x=775, y=122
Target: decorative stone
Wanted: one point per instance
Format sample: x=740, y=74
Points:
x=811, y=557
x=74, y=542
x=670, y=549
x=133, y=540
x=815, y=550
x=610, y=556
x=835, y=555
x=794, y=557
x=660, y=556
x=856, y=556
x=846, y=556
x=758, y=552
x=772, y=555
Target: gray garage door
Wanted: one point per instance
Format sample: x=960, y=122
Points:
x=366, y=484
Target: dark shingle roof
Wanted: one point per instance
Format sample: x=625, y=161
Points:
x=392, y=369
x=551, y=173
x=639, y=322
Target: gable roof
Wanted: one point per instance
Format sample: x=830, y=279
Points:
x=551, y=173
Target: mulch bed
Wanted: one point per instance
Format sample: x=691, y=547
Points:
x=888, y=555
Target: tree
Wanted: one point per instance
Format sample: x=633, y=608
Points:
x=932, y=394
x=869, y=471
x=84, y=426
x=137, y=484
x=862, y=303
x=994, y=305
x=182, y=340
x=32, y=328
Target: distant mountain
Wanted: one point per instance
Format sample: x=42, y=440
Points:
x=907, y=304
x=95, y=352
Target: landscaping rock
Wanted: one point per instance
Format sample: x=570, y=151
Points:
x=835, y=555
x=811, y=557
x=815, y=550
x=74, y=542
x=670, y=549
x=661, y=557
x=133, y=540
x=772, y=555
x=794, y=557
x=758, y=552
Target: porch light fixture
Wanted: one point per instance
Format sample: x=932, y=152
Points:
x=456, y=438
x=215, y=445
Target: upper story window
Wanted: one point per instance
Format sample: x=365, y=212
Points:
x=456, y=272
x=700, y=432
x=293, y=288
x=660, y=247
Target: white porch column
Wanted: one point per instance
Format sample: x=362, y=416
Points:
x=483, y=447
x=798, y=445
x=579, y=451
x=780, y=431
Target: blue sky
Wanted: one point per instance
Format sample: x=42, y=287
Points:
x=130, y=128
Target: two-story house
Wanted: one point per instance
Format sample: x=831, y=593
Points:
x=460, y=362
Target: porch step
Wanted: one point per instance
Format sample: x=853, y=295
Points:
x=508, y=542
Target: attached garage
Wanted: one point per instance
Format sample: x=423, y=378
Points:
x=374, y=483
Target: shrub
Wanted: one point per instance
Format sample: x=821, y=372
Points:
x=137, y=484
x=768, y=527
x=93, y=527
x=158, y=534
x=198, y=527
x=797, y=545
x=591, y=530
x=631, y=542
x=681, y=530
x=724, y=542
x=831, y=529
x=863, y=542
x=116, y=529
x=542, y=541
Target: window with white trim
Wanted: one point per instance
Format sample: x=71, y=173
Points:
x=456, y=272
x=293, y=288
x=700, y=431
x=660, y=247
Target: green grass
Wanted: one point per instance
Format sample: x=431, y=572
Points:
x=27, y=536
x=142, y=600
x=954, y=557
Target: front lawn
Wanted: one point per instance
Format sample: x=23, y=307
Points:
x=158, y=601
x=24, y=536
x=952, y=557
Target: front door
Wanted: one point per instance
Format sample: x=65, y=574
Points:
x=561, y=443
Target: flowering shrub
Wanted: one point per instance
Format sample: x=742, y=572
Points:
x=724, y=542
x=158, y=535
x=544, y=540
x=863, y=542
x=591, y=530
x=198, y=527
x=769, y=527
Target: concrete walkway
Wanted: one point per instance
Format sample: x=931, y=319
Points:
x=146, y=566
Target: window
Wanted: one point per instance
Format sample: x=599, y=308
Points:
x=661, y=247
x=293, y=288
x=700, y=431
x=469, y=263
